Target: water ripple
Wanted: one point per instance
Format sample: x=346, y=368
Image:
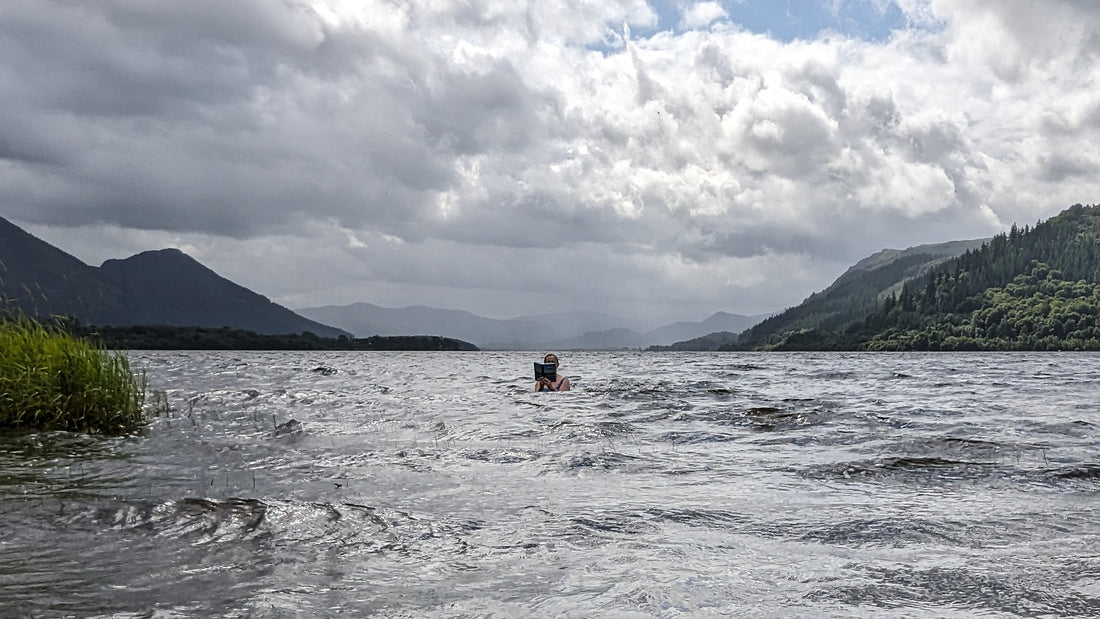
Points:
x=439, y=484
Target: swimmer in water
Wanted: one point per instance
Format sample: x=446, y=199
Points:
x=558, y=383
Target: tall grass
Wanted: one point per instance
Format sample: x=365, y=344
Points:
x=50, y=380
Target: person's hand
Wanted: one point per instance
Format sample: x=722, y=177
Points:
x=544, y=383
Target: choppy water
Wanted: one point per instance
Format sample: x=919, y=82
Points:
x=425, y=484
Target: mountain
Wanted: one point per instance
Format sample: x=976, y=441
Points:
x=177, y=290
x=165, y=287
x=534, y=332
x=680, y=331
x=366, y=320
x=719, y=340
x=40, y=279
x=560, y=331
x=606, y=339
x=856, y=293
x=1031, y=289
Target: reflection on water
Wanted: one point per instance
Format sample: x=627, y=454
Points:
x=914, y=485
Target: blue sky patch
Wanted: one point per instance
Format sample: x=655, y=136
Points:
x=787, y=20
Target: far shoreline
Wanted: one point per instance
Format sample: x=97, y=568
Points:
x=163, y=337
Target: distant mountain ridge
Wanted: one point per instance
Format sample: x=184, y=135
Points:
x=561, y=331
x=164, y=287
x=858, y=291
x=719, y=321
x=1035, y=288
x=367, y=319
x=168, y=287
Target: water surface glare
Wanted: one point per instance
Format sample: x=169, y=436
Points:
x=438, y=485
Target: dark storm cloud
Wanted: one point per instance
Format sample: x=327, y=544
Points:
x=120, y=59
x=237, y=118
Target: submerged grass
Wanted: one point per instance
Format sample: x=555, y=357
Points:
x=51, y=380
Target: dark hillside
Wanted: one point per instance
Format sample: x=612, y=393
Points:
x=1028, y=289
x=164, y=287
x=172, y=288
x=855, y=294
x=39, y=279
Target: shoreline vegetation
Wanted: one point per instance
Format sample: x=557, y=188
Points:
x=158, y=337
x=51, y=380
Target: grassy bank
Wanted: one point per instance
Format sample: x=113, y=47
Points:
x=50, y=380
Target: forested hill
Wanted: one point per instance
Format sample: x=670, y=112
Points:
x=1029, y=289
x=856, y=293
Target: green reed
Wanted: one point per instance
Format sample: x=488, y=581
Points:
x=51, y=380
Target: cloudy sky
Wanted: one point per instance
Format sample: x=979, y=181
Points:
x=667, y=158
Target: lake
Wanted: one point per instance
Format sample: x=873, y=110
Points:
x=663, y=485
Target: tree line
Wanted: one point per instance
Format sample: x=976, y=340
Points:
x=162, y=337
x=1032, y=288
x=224, y=338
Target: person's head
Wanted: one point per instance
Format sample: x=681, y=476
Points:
x=551, y=358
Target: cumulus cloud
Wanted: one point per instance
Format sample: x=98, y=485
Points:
x=702, y=14
x=492, y=155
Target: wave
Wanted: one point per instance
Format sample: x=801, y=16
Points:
x=968, y=590
x=903, y=531
x=932, y=469
x=1075, y=472
x=511, y=455
x=794, y=414
x=602, y=460
x=310, y=526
